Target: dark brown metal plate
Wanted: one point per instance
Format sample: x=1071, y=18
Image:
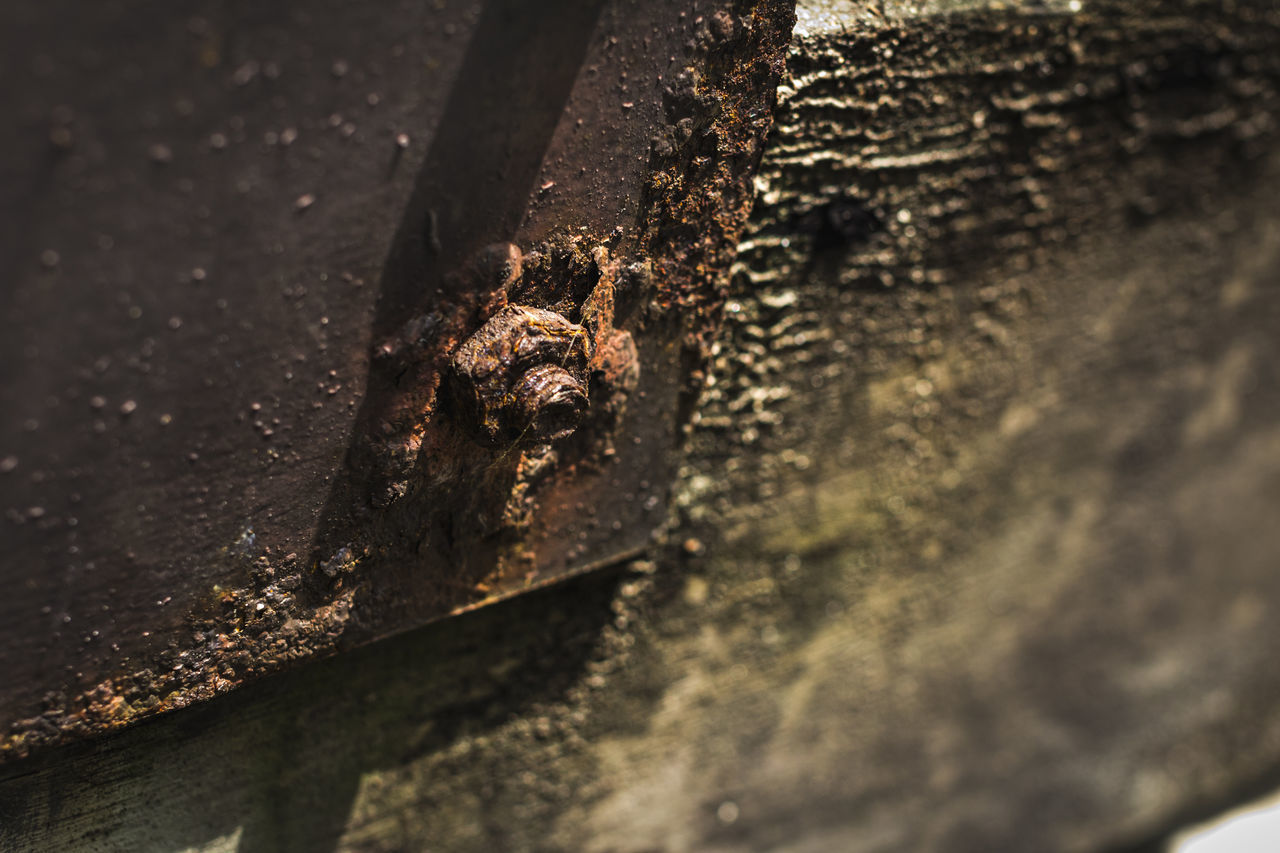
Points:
x=219, y=221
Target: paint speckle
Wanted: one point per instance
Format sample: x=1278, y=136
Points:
x=160, y=153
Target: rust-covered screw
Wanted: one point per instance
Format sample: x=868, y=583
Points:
x=521, y=379
x=550, y=401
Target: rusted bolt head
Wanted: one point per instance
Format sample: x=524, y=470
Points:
x=550, y=403
x=521, y=378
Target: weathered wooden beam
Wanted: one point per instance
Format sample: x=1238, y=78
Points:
x=974, y=545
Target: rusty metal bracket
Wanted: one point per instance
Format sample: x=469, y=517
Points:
x=541, y=322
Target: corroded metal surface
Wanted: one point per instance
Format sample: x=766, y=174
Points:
x=247, y=247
